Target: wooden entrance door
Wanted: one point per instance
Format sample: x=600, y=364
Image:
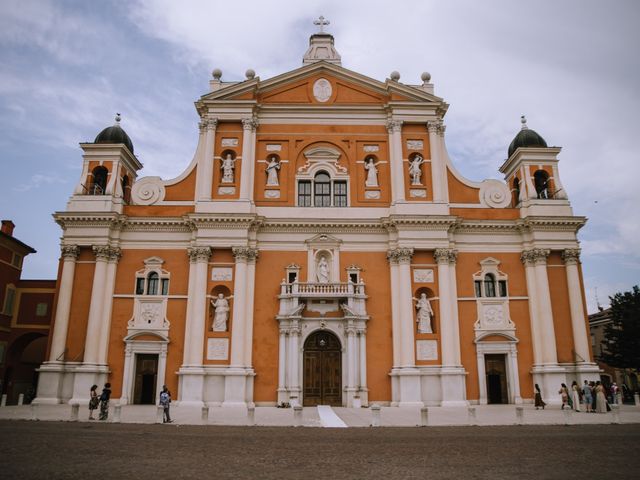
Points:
x=495, y=368
x=146, y=378
x=322, y=369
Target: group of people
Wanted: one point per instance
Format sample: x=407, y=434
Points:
x=591, y=395
x=102, y=402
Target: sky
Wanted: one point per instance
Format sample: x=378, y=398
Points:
x=572, y=67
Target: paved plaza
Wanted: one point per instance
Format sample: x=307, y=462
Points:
x=80, y=450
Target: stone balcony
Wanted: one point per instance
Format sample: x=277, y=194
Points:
x=322, y=297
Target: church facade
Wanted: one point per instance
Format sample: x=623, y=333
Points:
x=320, y=248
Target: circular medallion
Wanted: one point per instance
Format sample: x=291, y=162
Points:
x=322, y=90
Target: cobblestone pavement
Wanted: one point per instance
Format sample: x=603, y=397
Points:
x=61, y=450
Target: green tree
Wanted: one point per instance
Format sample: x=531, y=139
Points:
x=621, y=344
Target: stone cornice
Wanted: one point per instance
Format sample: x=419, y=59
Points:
x=70, y=220
x=215, y=221
x=327, y=226
x=486, y=226
x=420, y=222
x=551, y=224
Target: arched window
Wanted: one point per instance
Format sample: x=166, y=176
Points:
x=99, y=184
x=541, y=181
x=152, y=283
x=489, y=285
x=516, y=189
x=322, y=191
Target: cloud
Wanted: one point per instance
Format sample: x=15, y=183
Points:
x=36, y=181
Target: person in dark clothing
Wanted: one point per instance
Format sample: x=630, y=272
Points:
x=165, y=402
x=104, y=402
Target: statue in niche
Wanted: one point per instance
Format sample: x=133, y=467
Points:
x=228, y=165
x=272, y=172
x=322, y=270
x=221, y=313
x=425, y=313
x=414, y=170
x=372, y=172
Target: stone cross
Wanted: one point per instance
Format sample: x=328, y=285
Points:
x=321, y=22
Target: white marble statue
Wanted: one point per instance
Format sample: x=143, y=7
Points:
x=221, y=315
x=272, y=172
x=425, y=313
x=228, y=165
x=414, y=170
x=372, y=172
x=322, y=270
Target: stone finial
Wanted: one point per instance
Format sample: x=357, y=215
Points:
x=216, y=74
x=250, y=74
x=523, y=121
x=425, y=77
x=395, y=76
x=118, y=118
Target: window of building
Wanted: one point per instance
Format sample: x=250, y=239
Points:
x=490, y=282
x=9, y=299
x=152, y=280
x=41, y=309
x=516, y=189
x=541, y=181
x=16, y=261
x=99, y=183
x=322, y=191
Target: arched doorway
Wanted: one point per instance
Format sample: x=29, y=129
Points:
x=322, y=370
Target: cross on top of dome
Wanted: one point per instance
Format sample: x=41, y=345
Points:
x=321, y=22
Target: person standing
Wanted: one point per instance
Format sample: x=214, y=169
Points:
x=586, y=396
x=575, y=395
x=538, y=398
x=93, y=401
x=564, y=394
x=601, y=399
x=104, y=401
x=165, y=401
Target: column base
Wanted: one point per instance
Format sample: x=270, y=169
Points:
x=408, y=383
x=452, y=381
x=55, y=383
x=190, y=386
x=549, y=378
x=237, y=387
x=84, y=377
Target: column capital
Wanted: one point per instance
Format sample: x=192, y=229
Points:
x=400, y=255
x=248, y=254
x=351, y=331
x=445, y=256
x=571, y=256
x=114, y=254
x=102, y=252
x=208, y=124
x=70, y=251
x=535, y=256
x=394, y=126
x=250, y=124
x=441, y=128
x=433, y=127
x=199, y=254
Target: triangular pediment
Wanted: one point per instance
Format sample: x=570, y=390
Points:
x=305, y=85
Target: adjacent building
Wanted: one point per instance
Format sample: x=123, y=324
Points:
x=320, y=248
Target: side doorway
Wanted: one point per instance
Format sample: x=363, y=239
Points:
x=322, y=370
x=146, y=379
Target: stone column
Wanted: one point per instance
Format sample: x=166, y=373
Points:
x=438, y=168
x=352, y=355
x=191, y=288
x=199, y=258
x=447, y=327
x=453, y=289
x=571, y=258
x=204, y=181
x=252, y=256
x=105, y=329
x=549, y=352
x=239, y=329
x=362, y=337
x=282, y=365
x=63, y=307
x=92, y=339
x=249, y=126
x=407, y=330
x=395, y=158
x=536, y=338
x=294, y=359
x=395, y=308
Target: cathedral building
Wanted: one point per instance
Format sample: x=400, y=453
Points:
x=320, y=248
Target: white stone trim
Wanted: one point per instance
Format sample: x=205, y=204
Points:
x=134, y=347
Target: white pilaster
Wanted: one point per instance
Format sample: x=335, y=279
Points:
x=550, y=355
x=351, y=364
x=249, y=126
x=191, y=288
x=200, y=260
x=397, y=165
x=110, y=282
x=447, y=333
x=395, y=308
x=536, y=338
x=571, y=258
x=204, y=179
x=453, y=289
x=437, y=164
x=238, y=328
x=251, y=282
x=362, y=350
x=294, y=359
x=282, y=366
x=407, y=329
x=63, y=308
x=92, y=339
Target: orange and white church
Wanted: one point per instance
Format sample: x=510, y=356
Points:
x=320, y=248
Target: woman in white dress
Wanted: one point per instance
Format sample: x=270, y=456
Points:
x=601, y=400
x=575, y=396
